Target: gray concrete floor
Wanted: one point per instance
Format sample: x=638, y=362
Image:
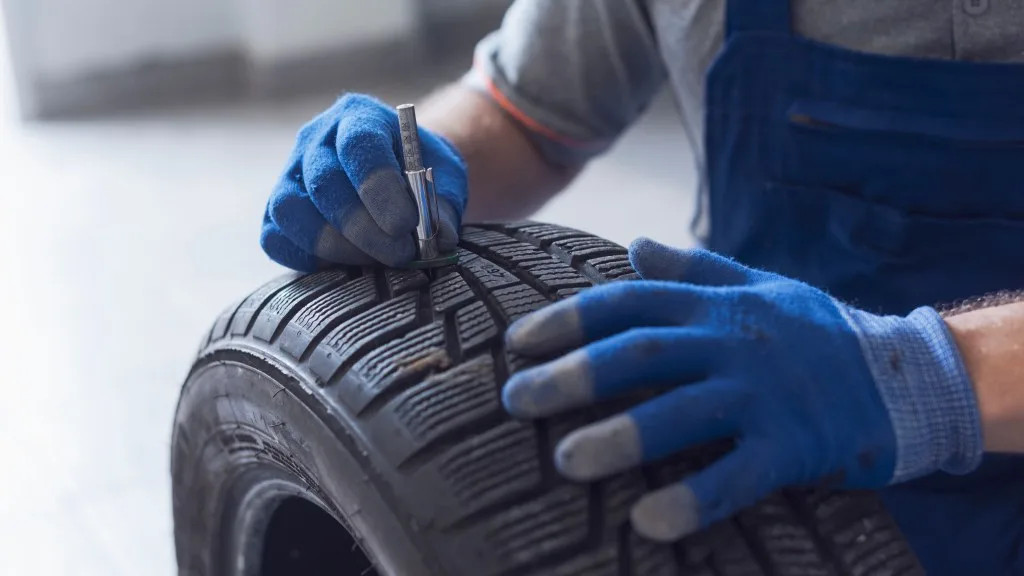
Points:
x=120, y=241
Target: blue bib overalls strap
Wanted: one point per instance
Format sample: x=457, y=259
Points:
x=890, y=183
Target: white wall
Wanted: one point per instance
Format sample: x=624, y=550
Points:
x=273, y=30
x=64, y=39
x=69, y=38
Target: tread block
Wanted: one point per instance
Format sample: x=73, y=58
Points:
x=650, y=559
x=489, y=468
x=568, y=292
x=484, y=272
x=485, y=238
x=362, y=332
x=282, y=304
x=450, y=292
x=889, y=557
x=555, y=274
x=723, y=548
x=440, y=405
x=399, y=362
x=402, y=281
x=601, y=562
x=545, y=234
x=863, y=535
x=511, y=227
x=526, y=533
x=341, y=302
x=787, y=544
x=518, y=301
x=520, y=254
x=254, y=302
x=586, y=247
x=475, y=327
x=613, y=267
x=620, y=493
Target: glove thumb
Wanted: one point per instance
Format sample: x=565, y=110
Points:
x=656, y=261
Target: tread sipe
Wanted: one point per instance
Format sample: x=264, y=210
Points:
x=412, y=368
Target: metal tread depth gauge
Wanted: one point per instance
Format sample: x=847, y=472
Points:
x=421, y=186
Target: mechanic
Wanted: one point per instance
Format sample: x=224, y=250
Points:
x=860, y=171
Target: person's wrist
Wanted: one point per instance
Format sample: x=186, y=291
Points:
x=991, y=360
x=926, y=389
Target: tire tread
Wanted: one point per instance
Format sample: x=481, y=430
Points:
x=417, y=361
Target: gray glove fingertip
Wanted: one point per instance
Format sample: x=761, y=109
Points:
x=386, y=197
x=364, y=233
x=654, y=260
x=400, y=252
x=332, y=246
x=600, y=449
x=667, y=514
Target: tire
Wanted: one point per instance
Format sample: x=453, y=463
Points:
x=351, y=418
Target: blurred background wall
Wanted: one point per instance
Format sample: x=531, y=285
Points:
x=74, y=57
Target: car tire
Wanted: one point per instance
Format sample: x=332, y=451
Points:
x=349, y=422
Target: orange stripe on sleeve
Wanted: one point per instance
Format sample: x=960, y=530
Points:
x=523, y=118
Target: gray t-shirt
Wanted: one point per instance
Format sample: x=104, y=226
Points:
x=577, y=73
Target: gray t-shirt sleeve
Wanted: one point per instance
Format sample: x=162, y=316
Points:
x=573, y=73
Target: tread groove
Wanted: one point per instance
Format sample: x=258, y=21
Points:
x=300, y=305
x=425, y=309
x=821, y=543
x=263, y=304
x=757, y=548
x=488, y=299
x=395, y=389
x=584, y=270
x=366, y=347
x=452, y=343
x=624, y=535
x=449, y=439
x=523, y=276
x=383, y=285
x=595, y=511
x=548, y=474
x=477, y=517
x=329, y=327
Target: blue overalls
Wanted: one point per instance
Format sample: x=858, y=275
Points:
x=891, y=183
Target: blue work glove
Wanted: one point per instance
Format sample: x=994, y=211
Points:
x=812, y=391
x=343, y=199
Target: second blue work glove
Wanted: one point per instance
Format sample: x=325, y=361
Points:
x=343, y=199
x=809, y=388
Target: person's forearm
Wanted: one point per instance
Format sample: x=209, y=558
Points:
x=508, y=179
x=991, y=342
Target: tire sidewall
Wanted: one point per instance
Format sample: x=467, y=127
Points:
x=239, y=414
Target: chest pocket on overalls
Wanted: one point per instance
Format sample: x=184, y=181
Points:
x=925, y=208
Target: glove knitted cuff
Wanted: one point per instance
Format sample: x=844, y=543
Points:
x=926, y=389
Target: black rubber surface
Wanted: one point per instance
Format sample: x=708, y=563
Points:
x=377, y=393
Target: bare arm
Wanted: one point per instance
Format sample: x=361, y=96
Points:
x=548, y=91
x=508, y=178
x=991, y=342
